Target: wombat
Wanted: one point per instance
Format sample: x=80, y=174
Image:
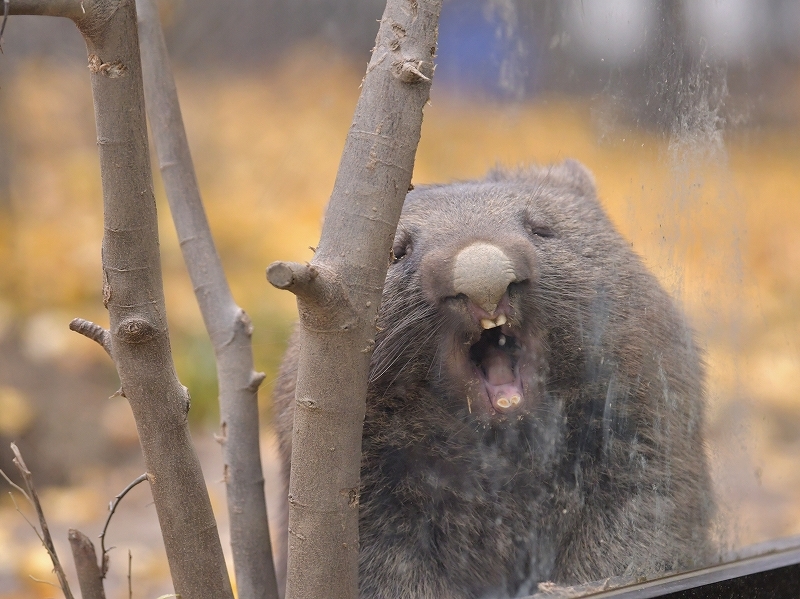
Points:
x=535, y=405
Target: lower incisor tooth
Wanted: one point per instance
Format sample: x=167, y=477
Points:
x=515, y=399
x=500, y=320
x=503, y=403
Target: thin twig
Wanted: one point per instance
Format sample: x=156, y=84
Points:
x=112, y=507
x=34, y=579
x=130, y=585
x=17, y=487
x=24, y=517
x=47, y=541
x=3, y=26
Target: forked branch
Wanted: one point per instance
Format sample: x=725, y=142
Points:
x=45, y=537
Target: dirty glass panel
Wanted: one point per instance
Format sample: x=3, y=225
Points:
x=653, y=434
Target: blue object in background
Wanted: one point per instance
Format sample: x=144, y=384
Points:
x=479, y=52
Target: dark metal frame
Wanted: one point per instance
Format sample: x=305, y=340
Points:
x=766, y=571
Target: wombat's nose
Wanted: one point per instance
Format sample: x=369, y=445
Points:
x=482, y=272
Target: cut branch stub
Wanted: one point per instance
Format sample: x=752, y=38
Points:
x=291, y=276
x=90, y=578
x=92, y=331
x=322, y=298
x=412, y=71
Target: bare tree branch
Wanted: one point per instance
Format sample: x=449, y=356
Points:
x=46, y=539
x=133, y=293
x=112, y=507
x=337, y=337
x=227, y=324
x=71, y=9
x=93, y=331
x=90, y=578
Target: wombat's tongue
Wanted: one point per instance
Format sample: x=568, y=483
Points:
x=501, y=382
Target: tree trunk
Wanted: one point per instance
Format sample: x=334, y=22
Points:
x=133, y=294
x=338, y=297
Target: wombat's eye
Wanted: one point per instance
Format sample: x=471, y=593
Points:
x=399, y=251
x=539, y=230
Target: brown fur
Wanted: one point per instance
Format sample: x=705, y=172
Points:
x=601, y=473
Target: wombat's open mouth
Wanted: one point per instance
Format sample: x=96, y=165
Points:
x=496, y=360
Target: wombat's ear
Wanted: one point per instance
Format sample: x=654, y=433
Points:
x=499, y=173
x=569, y=174
x=573, y=174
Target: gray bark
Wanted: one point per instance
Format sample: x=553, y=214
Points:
x=133, y=294
x=90, y=578
x=338, y=296
x=227, y=324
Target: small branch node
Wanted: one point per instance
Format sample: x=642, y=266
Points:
x=222, y=437
x=408, y=71
x=136, y=330
x=187, y=399
x=107, y=291
x=256, y=378
x=93, y=331
x=245, y=320
x=226, y=477
x=112, y=70
x=308, y=403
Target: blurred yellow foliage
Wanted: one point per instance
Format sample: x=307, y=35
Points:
x=16, y=413
x=718, y=224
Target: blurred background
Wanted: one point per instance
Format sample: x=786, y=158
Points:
x=687, y=112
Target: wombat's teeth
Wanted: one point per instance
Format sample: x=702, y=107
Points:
x=488, y=323
x=501, y=340
x=515, y=399
x=505, y=403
